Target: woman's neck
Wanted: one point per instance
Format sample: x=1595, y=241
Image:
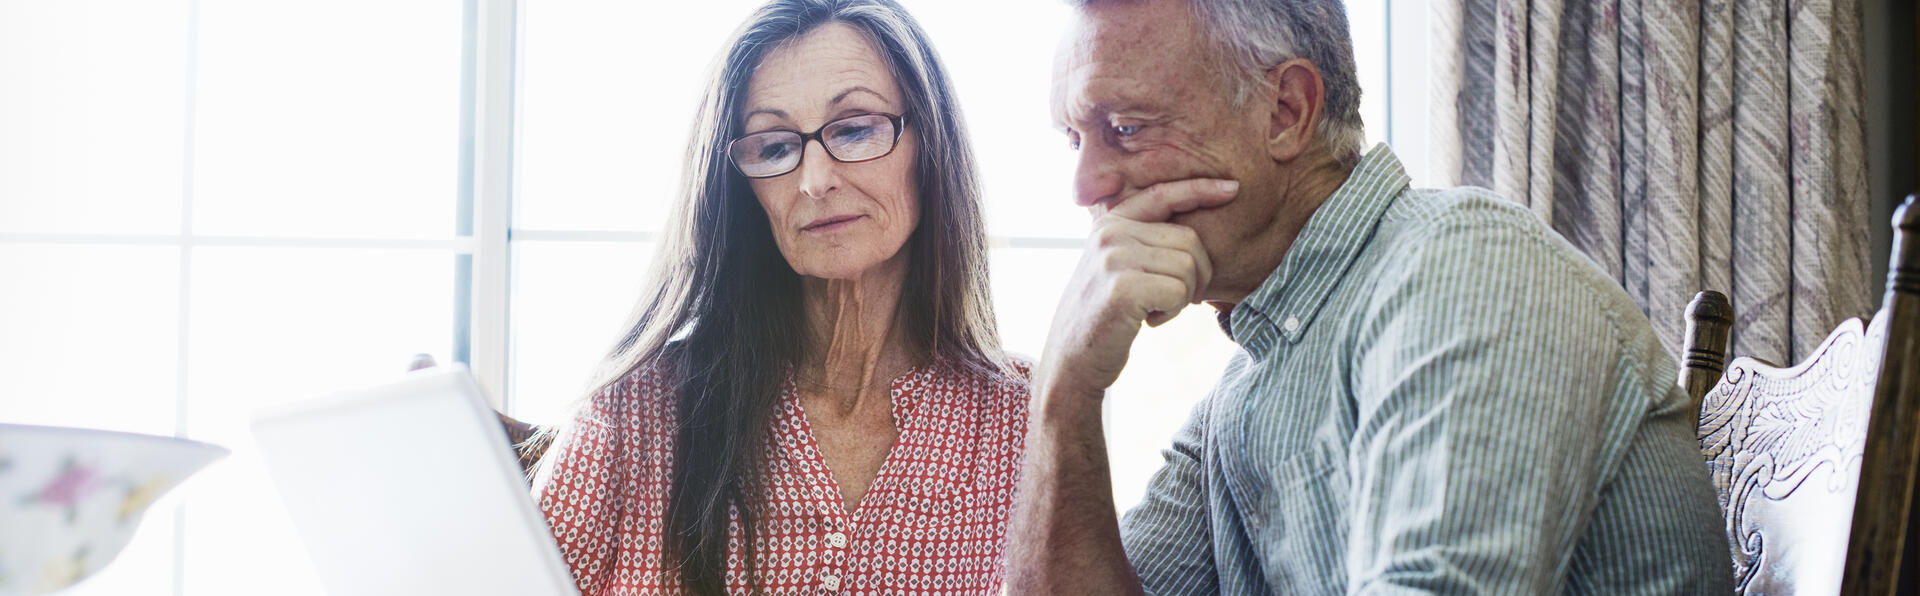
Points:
x=858, y=343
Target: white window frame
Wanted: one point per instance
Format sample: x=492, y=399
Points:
x=494, y=127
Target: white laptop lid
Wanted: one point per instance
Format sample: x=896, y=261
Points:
x=410, y=488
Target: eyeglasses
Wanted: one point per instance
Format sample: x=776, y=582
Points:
x=847, y=140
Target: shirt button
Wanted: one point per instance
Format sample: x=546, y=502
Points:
x=1292, y=324
x=837, y=540
x=830, y=582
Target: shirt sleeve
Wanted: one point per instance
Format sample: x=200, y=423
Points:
x=578, y=488
x=1483, y=378
x=1168, y=537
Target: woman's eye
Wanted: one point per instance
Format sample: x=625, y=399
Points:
x=774, y=151
x=853, y=133
x=1126, y=130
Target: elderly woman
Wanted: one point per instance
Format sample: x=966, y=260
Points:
x=811, y=397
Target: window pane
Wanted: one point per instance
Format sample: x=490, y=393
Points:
x=569, y=300
x=1412, y=98
x=1169, y=370
x=607, y=95
x=327, y=118
x=1368, y=20
x=89, y=336
x=272, y=325
x=92, y=96
x=1026, y=287
x=1004, y=81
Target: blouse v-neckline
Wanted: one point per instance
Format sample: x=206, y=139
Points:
x=900, y=397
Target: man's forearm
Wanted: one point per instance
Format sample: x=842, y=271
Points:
x=1064, y=536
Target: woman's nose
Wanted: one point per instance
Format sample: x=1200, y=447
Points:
x=819, y=174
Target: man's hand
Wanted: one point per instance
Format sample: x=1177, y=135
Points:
x=1137, y=268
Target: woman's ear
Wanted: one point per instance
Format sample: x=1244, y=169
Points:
x=1296, y=94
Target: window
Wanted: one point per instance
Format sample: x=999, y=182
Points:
x=606, y=95
x=209, y=206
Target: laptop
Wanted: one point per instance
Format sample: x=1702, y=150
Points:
x=410, y=488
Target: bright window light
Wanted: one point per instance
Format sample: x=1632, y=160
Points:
x=210, y=206
x=604, y=121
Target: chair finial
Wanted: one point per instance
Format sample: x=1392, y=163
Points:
x=1903, y=273
x=1709, y=319
x=1709, y=305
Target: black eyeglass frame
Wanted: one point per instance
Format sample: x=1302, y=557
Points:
x=899, y=127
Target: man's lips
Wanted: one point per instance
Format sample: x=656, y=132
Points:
x=830, y=223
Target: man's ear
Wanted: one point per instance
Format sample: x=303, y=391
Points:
x=1296, y=94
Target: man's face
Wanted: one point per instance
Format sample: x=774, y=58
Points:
x=1140, y=91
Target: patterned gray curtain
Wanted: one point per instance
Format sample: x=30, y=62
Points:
x=1682, y=145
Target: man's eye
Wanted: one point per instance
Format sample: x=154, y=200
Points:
x=1126, y=130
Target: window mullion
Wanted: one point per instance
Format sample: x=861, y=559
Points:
x=493, y=122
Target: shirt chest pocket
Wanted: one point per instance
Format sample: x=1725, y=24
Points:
x=1298, y=525
x=928, y=493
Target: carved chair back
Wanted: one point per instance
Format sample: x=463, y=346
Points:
x=1814, y=464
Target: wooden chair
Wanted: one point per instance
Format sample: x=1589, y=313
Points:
x=1815, y=464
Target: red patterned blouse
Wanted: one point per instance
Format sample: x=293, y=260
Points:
x=934, y=520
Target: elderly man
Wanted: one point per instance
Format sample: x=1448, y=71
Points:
x=1434, y=393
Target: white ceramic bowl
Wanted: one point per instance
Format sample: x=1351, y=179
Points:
x=70, y=498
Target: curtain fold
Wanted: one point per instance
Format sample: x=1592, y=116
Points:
x=1682, y=145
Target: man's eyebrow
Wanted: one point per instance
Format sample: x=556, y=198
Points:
x=856, y=89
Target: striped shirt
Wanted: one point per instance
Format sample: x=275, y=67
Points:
x=1434, y=394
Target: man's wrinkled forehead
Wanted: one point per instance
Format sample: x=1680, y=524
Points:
x=1128, y=51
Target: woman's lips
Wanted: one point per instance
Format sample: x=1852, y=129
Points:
x=828, y=224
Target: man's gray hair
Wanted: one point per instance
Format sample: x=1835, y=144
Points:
x=1257, y=35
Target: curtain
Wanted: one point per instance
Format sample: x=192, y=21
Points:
x=1682, y=145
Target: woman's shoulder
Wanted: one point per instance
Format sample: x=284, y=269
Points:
x=636, y=395
x=1022, y=367
x=1004, y=385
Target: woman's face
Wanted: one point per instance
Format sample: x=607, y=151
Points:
x=832, y=220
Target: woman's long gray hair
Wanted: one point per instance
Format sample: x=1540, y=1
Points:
x=723, y=314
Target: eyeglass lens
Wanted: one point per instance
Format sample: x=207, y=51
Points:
x=777, y=152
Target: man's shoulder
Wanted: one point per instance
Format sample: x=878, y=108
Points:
x=1467, y=249
x=1442, y=214
x=1472, y=233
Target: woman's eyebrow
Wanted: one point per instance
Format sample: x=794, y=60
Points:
x=857, y=89
x=768, y=111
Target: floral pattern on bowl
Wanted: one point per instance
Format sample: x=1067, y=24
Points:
x=71, y=498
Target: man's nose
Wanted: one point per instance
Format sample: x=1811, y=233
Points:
x=1095, y=178
x=819, y=172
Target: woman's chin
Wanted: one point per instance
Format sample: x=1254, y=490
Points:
x=836, y=272
x=838, y=264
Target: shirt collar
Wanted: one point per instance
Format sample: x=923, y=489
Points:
x=1287, y=302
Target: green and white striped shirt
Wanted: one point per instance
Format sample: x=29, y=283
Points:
x=1435, y=394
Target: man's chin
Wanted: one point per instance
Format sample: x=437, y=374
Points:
x=1205, y=221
